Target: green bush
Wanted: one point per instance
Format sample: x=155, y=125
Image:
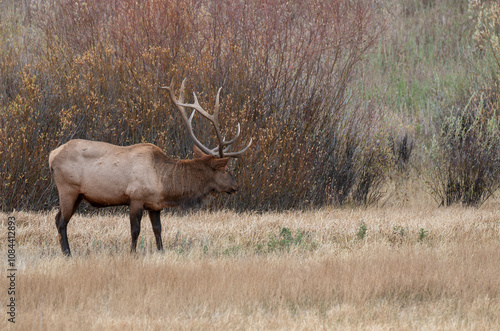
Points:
x=466, y=156
x=361, y=234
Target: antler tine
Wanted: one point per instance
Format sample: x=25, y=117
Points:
x=216, y=108
x=200, y=110
x=212, y=118
x=181, y=91
x=170, y=89
x=239, y=153
x=230, y=142
x=234, y=154
x=236, y=136
x=187, y=122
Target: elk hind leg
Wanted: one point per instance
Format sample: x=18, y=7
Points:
x=67, y=207
x=135, y=225
x=154, y=216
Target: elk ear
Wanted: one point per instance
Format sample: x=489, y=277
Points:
x=197, y=152
x=217, y=163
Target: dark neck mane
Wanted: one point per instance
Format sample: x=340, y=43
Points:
x=184, y=182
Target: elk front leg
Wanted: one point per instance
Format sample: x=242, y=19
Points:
x=154, y=216
x=135, y=225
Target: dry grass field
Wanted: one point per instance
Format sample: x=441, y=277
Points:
x=392, y=268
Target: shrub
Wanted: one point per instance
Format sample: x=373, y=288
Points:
x=285, y=68
x=361, y=234
x=486, y=15
x=402, y=148
x=285, y=240
x=422, y=234
x=466, y=160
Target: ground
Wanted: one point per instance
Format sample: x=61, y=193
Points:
x=375, y=268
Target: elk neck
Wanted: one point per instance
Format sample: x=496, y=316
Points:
x=184, y=181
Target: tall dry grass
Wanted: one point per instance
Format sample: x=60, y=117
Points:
x=238, y=271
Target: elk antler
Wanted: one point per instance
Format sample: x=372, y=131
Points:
x=223, y=148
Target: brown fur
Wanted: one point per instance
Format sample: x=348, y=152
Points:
x=140, y=176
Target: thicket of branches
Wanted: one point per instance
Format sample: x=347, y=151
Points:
x=465, y=158
x=92, y=69
x=467, y=162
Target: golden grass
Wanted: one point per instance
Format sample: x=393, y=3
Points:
x=234, y=271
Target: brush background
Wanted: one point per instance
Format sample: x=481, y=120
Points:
x=347, y=101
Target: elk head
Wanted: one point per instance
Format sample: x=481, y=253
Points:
x=216, y=158
x=224, y=181
x=222, y=150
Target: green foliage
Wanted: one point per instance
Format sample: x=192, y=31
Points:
x=399, y=230
x=285, y=240
x=486, y=15
x=466, y=156
x=361, y=234
x=422, y=234
x=421, y=58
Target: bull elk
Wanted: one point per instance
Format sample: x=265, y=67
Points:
x=141, y=176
